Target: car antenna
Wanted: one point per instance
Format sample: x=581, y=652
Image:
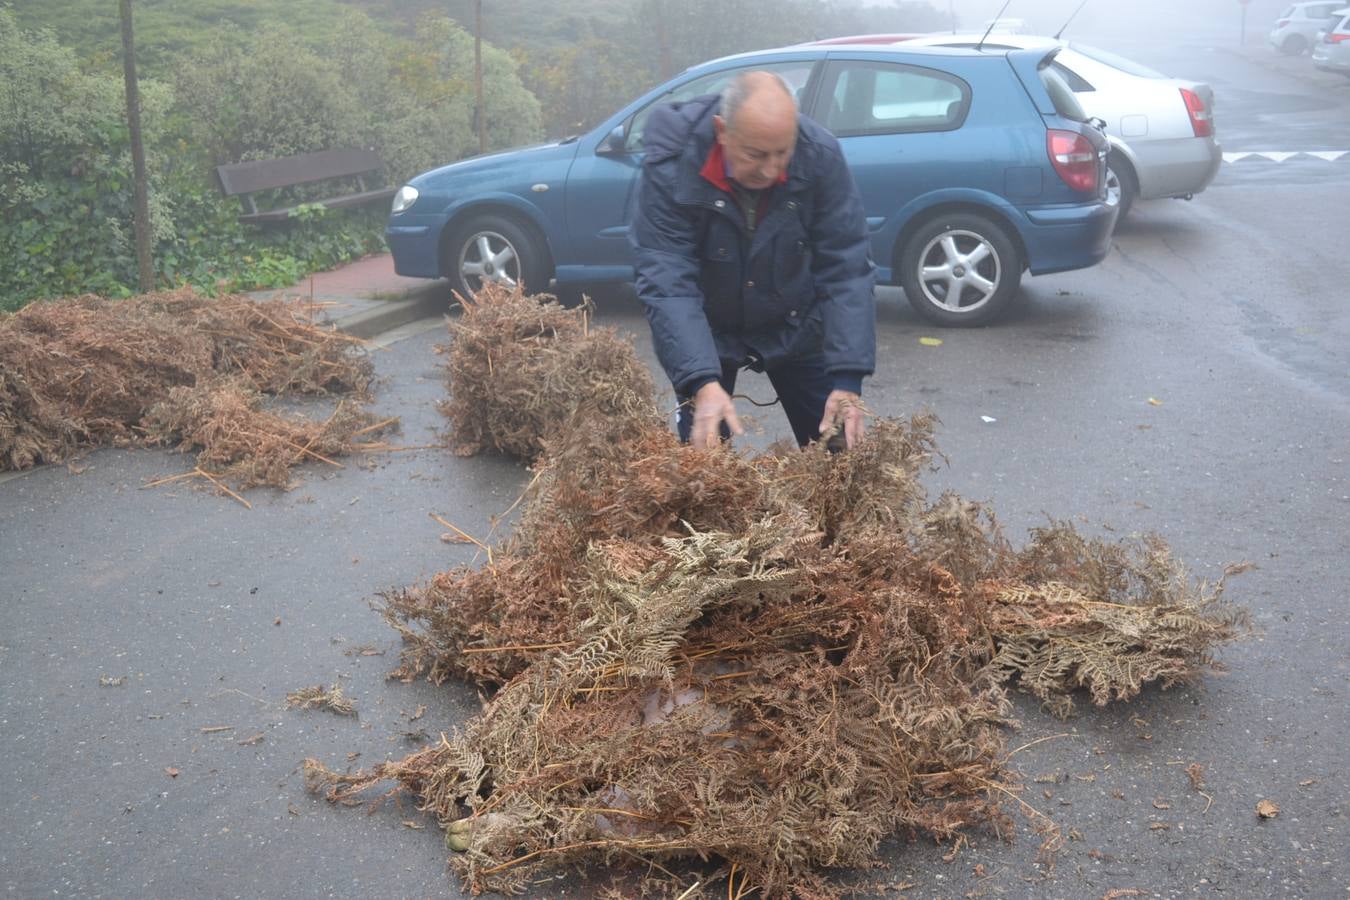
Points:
x=992, y=23
x=1070, y=19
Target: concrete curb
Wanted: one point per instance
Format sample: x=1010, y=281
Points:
x=1300, y=67
x=433, y=299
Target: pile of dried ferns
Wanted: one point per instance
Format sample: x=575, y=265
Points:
x=770, y=659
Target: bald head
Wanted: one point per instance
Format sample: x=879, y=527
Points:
x=757, y=128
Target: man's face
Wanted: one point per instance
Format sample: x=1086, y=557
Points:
x=760, y=144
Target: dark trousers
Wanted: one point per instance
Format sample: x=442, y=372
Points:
x=802, y=386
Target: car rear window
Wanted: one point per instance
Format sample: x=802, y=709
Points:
x=1106, y=58
x=1066, y=104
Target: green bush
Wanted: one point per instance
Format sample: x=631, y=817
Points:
x=66, y=198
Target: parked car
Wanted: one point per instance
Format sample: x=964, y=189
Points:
x=1296, y=29
x=973, y=168
x=1161, y=129
x=1332, y=52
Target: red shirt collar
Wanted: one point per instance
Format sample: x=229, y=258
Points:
x=715, y=169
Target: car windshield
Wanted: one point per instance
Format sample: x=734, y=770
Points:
x=1106, y=58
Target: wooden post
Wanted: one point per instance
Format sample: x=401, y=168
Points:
x=663, y=42
x=141, y=219
x=478, y=75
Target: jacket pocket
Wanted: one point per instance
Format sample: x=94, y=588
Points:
x=793, y=282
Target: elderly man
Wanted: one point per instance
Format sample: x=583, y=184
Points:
x=752, y=251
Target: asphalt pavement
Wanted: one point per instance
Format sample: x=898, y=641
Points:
x=1195, y=385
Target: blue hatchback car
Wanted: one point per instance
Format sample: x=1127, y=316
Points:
x=974, y=166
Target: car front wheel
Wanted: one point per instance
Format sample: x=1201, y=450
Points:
x=493, y=249
x=960, y=269
x=1294, y=45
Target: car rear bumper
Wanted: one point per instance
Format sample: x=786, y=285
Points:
x=1176, y=168
x=1060, y=238
x=1330, y=58
x=415, y=248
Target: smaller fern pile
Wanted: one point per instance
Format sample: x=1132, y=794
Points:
x=178, y=368
x=773, y=660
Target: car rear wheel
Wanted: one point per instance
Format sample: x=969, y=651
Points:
x=1294, y=45
x=494, y=249
x=1122, y=187
x=960, y=269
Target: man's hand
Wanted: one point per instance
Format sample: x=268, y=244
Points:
x=843, y=408
x=712, y=407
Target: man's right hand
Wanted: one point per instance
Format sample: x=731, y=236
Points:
x=712, y=407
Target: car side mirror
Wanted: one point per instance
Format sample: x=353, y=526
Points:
x=1098, y=122
x=616, y=142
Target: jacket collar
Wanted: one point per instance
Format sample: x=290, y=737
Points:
x=714, y=169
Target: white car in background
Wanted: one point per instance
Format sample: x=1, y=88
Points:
x=1331, y=53
x=1161, y=129
x=1297, y=27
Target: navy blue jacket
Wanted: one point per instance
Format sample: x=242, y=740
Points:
x=802, y=287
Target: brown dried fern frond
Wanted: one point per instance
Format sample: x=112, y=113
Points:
x=85, y=371
x=1076, y=612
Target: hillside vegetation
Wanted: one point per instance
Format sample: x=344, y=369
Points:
x=225, y=81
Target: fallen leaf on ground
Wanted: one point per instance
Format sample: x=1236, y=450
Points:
x=252, y=739
x=109, y=681
x=930, y=341
x=171, y=772
x=1161, y=804
x=1267, y=809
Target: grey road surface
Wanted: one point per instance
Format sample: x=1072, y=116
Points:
x=1197, y=384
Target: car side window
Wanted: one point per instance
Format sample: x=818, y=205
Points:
x=1077, y=83
x=860, y=97
x=796, y=74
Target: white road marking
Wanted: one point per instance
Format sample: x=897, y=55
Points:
x=1282, y=155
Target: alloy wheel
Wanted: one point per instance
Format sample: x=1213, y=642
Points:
x=959, y=271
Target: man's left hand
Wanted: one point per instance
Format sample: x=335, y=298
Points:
x=845, y=409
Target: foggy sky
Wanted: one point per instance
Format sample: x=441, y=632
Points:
x=1130, y=21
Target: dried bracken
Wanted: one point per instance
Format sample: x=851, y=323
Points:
x=521, y=368
x=771, y=659
x=320, y=697
x=88, y=372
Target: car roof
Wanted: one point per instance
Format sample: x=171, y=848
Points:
x=1026, y=41
x=813, y=49
x=863, y=39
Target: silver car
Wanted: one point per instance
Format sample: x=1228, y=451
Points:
x=1161, y=129
x=1297, y=27
x=1332, y=52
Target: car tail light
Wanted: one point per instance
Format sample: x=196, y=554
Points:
x=1202, y=123
x=1281, y=23
x=1074, y=159
x=1334, y=38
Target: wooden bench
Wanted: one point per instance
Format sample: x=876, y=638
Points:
x=247, y=178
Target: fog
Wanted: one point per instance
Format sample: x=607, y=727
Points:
x=1174, y=22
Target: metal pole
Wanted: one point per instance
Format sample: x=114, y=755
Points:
x=478, y=74
x=141, y=218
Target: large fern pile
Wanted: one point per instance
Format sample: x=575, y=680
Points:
x=773, y=660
